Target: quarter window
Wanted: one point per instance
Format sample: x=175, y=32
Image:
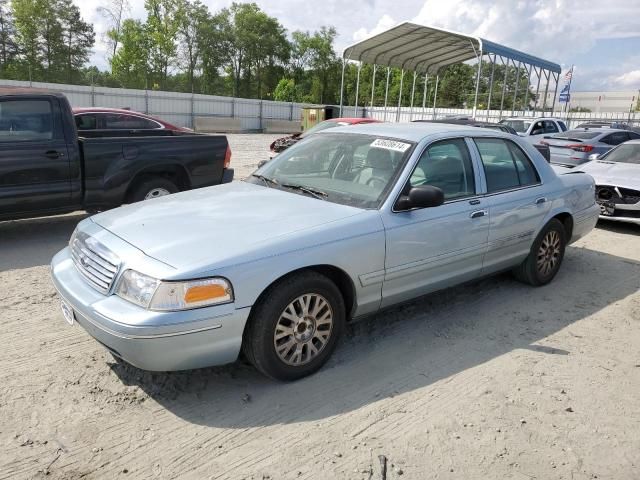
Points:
x=26, y=120
x=616, y=138
x=86, y=122
x=446, y=165
x=550, y=127
x=505, y=165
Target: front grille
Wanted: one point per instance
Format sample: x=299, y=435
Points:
x=94, y=261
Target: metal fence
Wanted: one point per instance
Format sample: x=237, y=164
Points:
x=182, y=108
x=177, y=108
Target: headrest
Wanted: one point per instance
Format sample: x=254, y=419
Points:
x=379, y=158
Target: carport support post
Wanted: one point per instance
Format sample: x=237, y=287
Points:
x=355, y=109
x=373, y=85
x=435, y=96
x=555, y=94
x=400, y=96
x=413, y=91
x=475, y=99
x=504, y=83
x=539, y=75
x=515, y=91
x=386, y=93
x=493, y=70
x=546, y=91
x=526, y=95
x=344, y=64
x=424, y=95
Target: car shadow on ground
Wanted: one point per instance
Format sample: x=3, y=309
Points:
x=619, y=227
x=33, y=242
x=403, y=349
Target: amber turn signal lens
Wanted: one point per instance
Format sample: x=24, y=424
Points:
x=201, y=293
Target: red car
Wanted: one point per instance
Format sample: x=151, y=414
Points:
x=94, y=118
x=285, y=142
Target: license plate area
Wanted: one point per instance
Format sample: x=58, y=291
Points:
x=67, y=312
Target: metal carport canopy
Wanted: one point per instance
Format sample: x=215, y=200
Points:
x=423, y=49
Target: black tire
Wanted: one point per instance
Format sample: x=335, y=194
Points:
x=544, y=259
x=148, y=185
x=259, y=340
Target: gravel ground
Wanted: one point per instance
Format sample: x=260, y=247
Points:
x=247, y=150
x=493, y=379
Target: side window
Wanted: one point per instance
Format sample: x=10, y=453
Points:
x=446, y=165
x=128, y=122
x=550, y=127
x=505, y=165
x=616, y=138
x=634, y=135
x=563, y=126
x=26, y=120
x=85, y=122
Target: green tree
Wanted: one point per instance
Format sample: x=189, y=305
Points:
x=130, y=63
x=163, y=22
x=114, y=13
x=8, y=46
x=79, y=38
x=193, y=29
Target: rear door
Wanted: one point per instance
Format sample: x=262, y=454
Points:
x=515, y=200
x=34, y=161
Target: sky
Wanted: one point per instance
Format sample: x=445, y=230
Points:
x=600, y=37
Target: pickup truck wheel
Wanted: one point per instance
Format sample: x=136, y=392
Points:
x=294, y=328
x=153, y=187
x=545, y=257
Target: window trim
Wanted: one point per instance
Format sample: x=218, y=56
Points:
x=160, y=126
x=510, y=189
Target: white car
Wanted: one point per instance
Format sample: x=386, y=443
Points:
x=617, y=176
x=535, y=129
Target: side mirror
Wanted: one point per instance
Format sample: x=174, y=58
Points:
x=594, y=156
x=423, y=196
x=261, y=163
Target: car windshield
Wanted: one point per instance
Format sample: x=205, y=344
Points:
x=625, y=153
x=519, y=126
x=350, y=169
x=322, y=126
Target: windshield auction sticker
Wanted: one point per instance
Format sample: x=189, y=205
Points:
x=390, y=145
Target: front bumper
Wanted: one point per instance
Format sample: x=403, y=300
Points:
x=156, y=341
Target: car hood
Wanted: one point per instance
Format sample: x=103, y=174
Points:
x=625, y=175
x=209, y=225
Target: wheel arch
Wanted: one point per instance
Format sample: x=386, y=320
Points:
x=173, y=172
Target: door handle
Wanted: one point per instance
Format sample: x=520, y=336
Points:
x=478, y=213
x=541, y=200
x=53, y=154
x=474, y=202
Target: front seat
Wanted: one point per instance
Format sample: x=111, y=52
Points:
x=377, y=170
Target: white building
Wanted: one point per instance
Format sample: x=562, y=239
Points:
x=602, y=102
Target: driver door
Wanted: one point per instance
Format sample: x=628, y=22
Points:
x=433, y=248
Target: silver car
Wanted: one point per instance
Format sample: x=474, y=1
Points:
x=617, y=177
x=574, y=147
x=342, y=224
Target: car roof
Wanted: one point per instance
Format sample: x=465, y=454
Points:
x=107, y=109
x=413, y=132
x=533, y=119
x=596, y=129
x=353, y=120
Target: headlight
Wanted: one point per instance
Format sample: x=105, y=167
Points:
x=154, y=294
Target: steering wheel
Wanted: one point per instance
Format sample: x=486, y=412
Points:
x=372, y=180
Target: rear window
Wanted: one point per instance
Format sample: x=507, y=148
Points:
x=26, y=120
x=519, y=126
x=579, y=134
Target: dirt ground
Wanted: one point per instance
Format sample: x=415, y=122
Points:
x=493, y=379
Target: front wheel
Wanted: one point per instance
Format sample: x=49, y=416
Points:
x=294, y=328
x=545, y=257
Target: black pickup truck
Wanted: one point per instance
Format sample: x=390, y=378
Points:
x=45, y=169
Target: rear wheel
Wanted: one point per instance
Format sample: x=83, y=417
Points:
x=545, y=257
x=294, y=328
x=152, y=187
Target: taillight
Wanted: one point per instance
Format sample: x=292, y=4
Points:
x=227, y=157
x=581, y=148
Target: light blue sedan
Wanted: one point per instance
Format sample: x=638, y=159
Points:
x=342, y=224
